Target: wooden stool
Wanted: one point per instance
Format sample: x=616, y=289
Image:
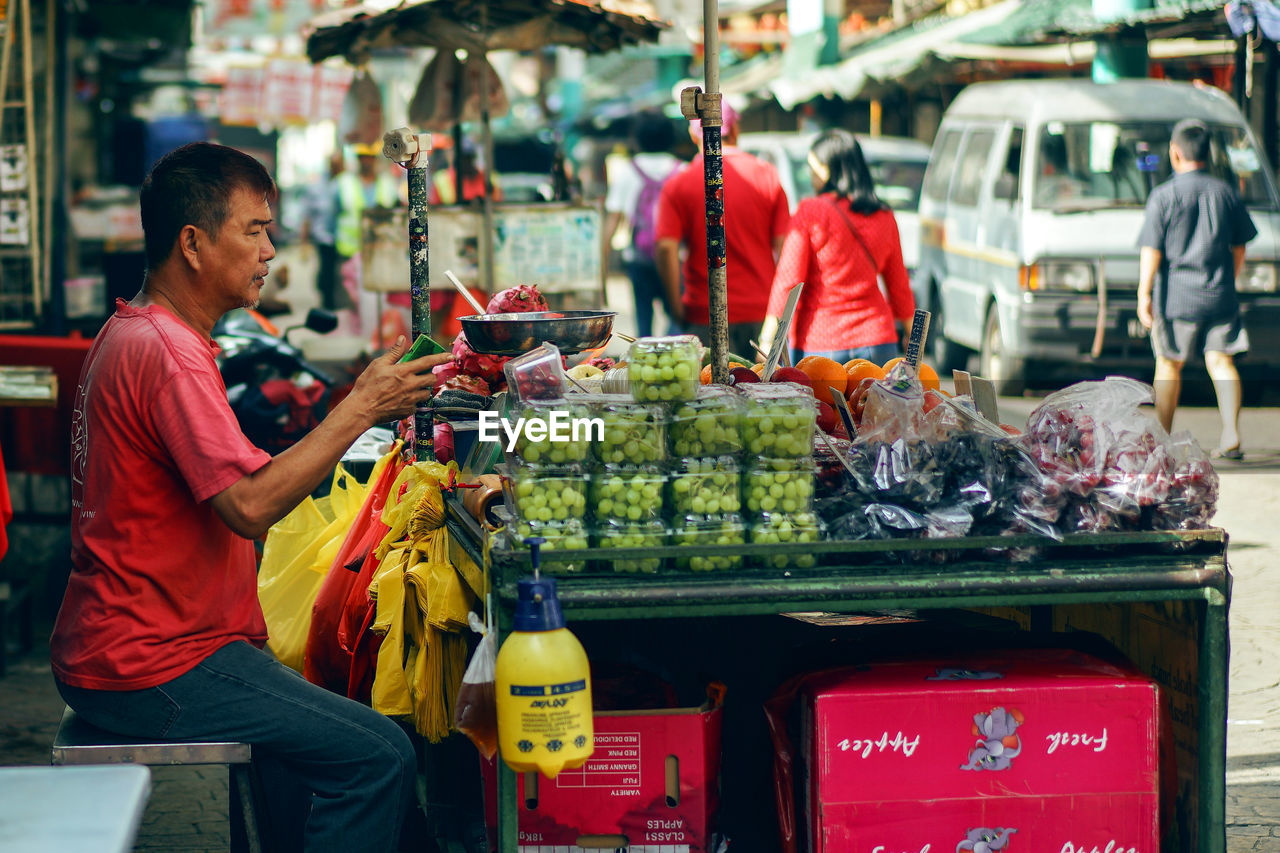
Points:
x=80, y=742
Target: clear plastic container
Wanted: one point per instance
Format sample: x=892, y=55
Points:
x=568, y=535
x=553, y=427
x=634, y=433
x=778, y=485
x=538, y=375
x=627, y=493
x=616, y=534
x=785, y=529
x=707, y=425
x=708, y=530
x=779, y=420
x=545, y=495
x=664, y=370
x=705, y=486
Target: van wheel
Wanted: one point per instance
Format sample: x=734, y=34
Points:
x=947, y=354
x=1008, y=374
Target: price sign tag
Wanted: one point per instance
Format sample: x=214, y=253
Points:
x=780, y=338
x=848, y=466
x=961, y=378
x=919, y=333
x=984, y=397
x=842, y=406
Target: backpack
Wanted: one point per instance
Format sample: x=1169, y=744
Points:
x=644, y=221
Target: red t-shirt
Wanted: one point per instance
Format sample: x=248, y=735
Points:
x=158, y=581
x=841, y=306
x=755, y=212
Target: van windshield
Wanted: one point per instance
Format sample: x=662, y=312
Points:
x=1102, y=164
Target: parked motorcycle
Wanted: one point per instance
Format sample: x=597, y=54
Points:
x=276, y=394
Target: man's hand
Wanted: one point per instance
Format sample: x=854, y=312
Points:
x=387, y=390
x=1144, y=310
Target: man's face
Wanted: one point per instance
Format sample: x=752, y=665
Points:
x=236, y=263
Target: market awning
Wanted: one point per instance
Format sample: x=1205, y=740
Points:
x=1038, y=21
x=888, y=58
x=1078, y=53
x=482, y=25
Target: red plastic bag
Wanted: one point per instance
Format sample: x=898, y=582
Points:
x=328, y=662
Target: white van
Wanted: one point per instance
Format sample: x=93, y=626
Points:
x=1029, y=219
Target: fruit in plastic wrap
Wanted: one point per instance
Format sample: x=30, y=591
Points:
x=786, y=528
x=778, y=486
x=617, y=534
x=664, y=369
x=779, y=420
x=709, y=530
x=521, y=298
x=551, y=422
x=546, y=496
x=627, y=493
x=705, y=486
x=634, y=433
x=708, y=425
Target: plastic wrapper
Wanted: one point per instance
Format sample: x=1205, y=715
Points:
x=786, y=528
x=617, y=534
x=779, y=419
x=1110, y=466
x=545, y=495
x=634, y=433
x=664, y=370
x=778, y=485
x=570, y=535
x=475, y=712
x=554, y=441
x=707, y=425
x=538, y=375
x=709, y=530
x=627, y=493
x=705, y=486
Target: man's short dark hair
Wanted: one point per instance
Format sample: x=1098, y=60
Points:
x=653, y=132
x=193, y=185
x=1191, y=138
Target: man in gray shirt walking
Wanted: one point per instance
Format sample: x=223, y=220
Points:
x=1192, y=248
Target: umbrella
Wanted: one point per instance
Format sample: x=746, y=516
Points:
x=477, y=26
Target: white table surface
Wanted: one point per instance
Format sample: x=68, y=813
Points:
x=94, y=809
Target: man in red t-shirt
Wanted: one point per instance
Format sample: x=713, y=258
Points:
x=755, y=223
x=160, y=632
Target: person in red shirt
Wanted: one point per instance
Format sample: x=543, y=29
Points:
x=160, y=633
x=755, y=221
x=842, y=243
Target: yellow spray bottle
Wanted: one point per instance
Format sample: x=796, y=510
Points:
x=543, y=684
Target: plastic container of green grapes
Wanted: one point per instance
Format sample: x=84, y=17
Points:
x=570, y=535
x=782, y=485
x=779, y=420
x=618, y=534
x=705, y=486
x=627, y=493
x=708, y=425
x=664, y=370
x=545, y=495
x=709, y=530
x=781, y=528
x=555, y=434
x=634, y=433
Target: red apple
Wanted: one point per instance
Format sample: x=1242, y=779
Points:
x=826, y=417
x=792, y=374
x=742, y=375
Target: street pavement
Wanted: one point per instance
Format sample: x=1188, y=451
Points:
x=187, y=812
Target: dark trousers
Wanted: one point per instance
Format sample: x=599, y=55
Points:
x=358, y=766
x=647, y=287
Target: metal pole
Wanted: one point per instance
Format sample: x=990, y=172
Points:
x=413, y=152
x=713, y=174
x=486, y=238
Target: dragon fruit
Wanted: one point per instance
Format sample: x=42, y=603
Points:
x=522, y=297
x=471, y=363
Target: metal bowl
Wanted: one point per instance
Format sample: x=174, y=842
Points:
x=514, y=334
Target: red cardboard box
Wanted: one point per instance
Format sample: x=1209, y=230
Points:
x=653, y=778
x=1062, y=747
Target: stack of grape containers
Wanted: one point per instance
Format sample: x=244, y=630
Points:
x=546, y=481
x=777, y=427
x=628, y=478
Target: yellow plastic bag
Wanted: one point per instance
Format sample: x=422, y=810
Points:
x=295, y=559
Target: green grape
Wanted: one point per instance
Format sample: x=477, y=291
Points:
x=779, y=420
x=708, y=425
x=547, y=495
x=619, y=535
x=786, y=528
x=627, y=493
x=727, y=530
x=781, y=485
x=706, y=487
x=664, y=369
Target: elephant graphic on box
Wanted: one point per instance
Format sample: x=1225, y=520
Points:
x=998, y=742
x=983, y=840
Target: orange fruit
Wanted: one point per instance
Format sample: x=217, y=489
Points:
x=861, y=371
x=854, y=362
x=758, y=368
x=891, y=363
x=824, y=372
x=705, y=376
x=929, y=377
